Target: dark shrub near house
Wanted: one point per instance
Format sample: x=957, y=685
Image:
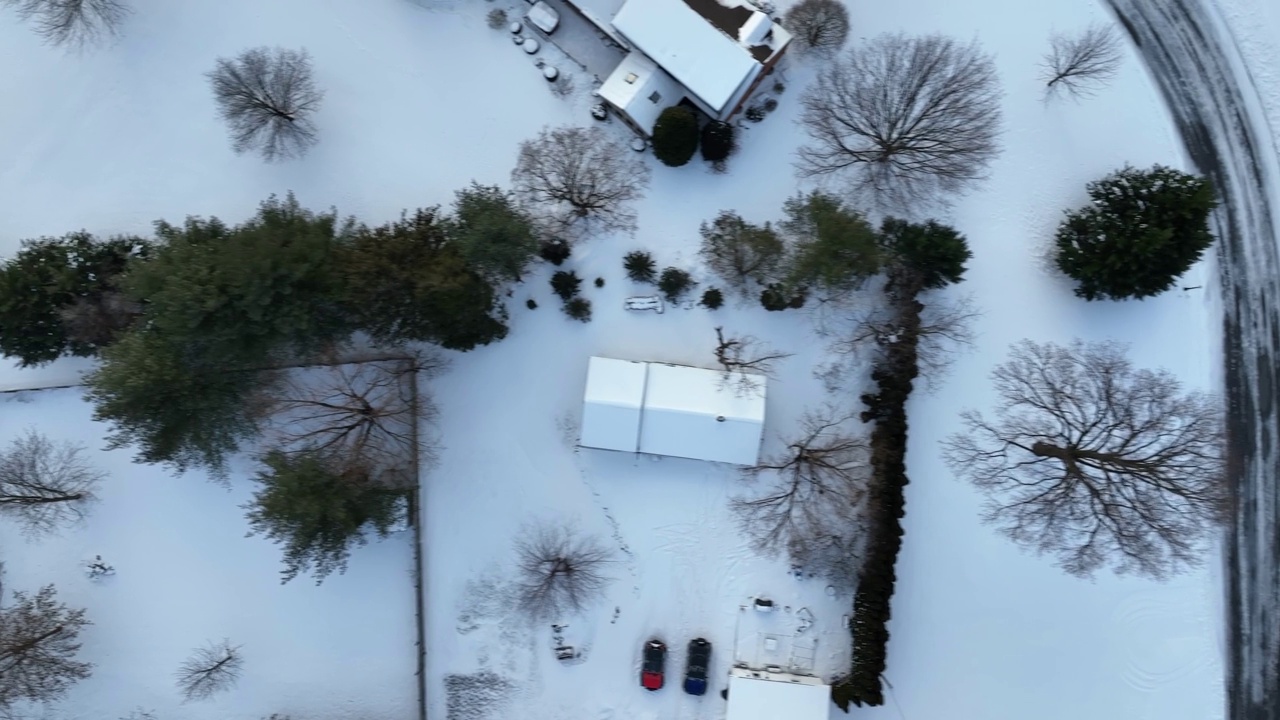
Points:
x=675, y=136
x=717, y=141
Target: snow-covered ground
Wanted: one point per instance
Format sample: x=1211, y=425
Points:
x=422, y=98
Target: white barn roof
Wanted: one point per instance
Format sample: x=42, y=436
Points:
x=672, y=410
x=612, y=402
x=693, y=413
x=759, y=695
x=708, y=62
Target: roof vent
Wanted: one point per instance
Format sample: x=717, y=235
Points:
x=631, y=77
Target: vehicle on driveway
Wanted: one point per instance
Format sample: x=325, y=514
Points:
x=652, y=665
x=695, y=670
x=544, y=17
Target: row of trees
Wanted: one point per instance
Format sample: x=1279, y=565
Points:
x=826, y=248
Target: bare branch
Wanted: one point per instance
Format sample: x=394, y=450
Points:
x=361, y=415
x=744, y=359
x=267, y=96
x=39, y=638
x=946, y=325
x=210, y=670
x=575, y=177
x=818, y=26
x=812, y=502
x=559, y=570
x=75, y=24
x=1082, y=64
x=45, y=485
x=1096, y=463
x=907, y=120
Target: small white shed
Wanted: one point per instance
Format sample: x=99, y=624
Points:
x=673, y=410
x=696, y=413
x=763, y=695
x=612, y=404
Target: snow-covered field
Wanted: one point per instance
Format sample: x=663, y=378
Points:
x=422, y=98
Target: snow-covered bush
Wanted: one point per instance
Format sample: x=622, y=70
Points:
x=712, y=299
x=640, y=267
x=579, y=308
x=565, y=284
x=497, y=18
x=717, y=141
x=555, y=251
x=674, y=283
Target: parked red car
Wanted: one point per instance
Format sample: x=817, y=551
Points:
x=651, y=667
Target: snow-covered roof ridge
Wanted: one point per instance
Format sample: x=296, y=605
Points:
x=699, y=42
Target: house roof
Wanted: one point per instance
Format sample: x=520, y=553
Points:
x=672, y=410
x=612, y=404
x=700, y=50
x=694, y=413
x=759, y=695
x=631, y=88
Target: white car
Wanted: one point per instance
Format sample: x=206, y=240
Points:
x=544, y=17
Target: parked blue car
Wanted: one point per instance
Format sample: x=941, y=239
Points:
x=695, y=673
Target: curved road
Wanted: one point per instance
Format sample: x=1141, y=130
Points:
x=1216, y=107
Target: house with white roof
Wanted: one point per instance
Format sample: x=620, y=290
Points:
x=713, y=55
x=673, y=410
x=765, y=695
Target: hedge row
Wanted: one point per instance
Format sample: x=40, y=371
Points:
x=869, y=624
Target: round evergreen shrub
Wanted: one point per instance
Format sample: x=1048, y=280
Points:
x=675, y=136
x=578, y=308
x=639, y=266
x=599, y=282
x=1141, y=231
x=674, y=283
x=712, y=299
x=531, y=304
x=936, y=252
x=777, y=297
x=717, y=141
x=554, y=251
x=755, y=113
x=565, y=284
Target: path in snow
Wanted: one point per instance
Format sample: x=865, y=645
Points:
x=1217, y=107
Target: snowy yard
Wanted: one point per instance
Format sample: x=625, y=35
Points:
x=421, y=99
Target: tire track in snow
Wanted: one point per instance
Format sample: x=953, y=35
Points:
x=1218, y=112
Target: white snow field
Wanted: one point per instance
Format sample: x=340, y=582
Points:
x=421, y=99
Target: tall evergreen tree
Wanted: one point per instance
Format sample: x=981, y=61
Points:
x=834, y=248
x=495, y=235
x=50, y=276
x=936, y=253
x=406, y=282
x=246, y=293
x=317, y=512
x=1141, y=231
x=175, y=408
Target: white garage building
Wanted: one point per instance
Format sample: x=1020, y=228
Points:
x=761, y=695
x=674, y=410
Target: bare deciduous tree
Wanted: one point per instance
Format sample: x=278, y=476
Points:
x=45, y=485
x=1081, y=64
x=946, y=324
x=361, y=415
x=574, y=176
x=73, y=23
x=267, y=96
x=744, y=359
x=39, y=639
x=210, y=670
x=908, y=119
x=818, y=25
x=98, y=321
x=811, y=503
x=560, y=570
x=1094, y=462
